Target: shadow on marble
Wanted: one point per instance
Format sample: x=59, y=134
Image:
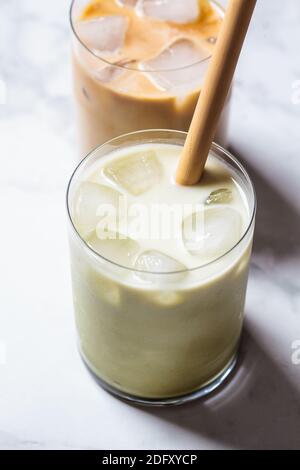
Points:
x=259, y=408
x=278, y=221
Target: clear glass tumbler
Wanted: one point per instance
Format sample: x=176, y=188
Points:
x=163, y=343
x=107, y=107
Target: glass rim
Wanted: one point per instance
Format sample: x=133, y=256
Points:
x=214, y=146
x=126, y=67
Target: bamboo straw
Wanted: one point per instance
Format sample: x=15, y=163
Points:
x=215, y=90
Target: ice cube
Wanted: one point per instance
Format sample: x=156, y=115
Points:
x=176, y=11
x=155, y=262
x=219, y=231
x=116, y=248
x=220, y=196
x=182, y=64
x=110, y=72
x=104, y=35
x=90, y=196
x=136, y=173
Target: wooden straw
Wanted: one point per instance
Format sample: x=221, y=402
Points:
x=215, y=90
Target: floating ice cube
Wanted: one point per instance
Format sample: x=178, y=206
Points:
x=89, y=197
x=116, y=248
x=218, y=232
x=128, y=3
x=137, y=173
x=220, y=196
x=110, y=72
x=153, y=261
x=182, y=64
x=104, y=35
x=176, y=11
x=156, y=262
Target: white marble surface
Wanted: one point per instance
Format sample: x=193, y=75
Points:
x=47, y=399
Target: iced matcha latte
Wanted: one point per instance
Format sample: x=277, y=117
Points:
x=159, y=270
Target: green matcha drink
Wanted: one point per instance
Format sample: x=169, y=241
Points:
x=159, y=270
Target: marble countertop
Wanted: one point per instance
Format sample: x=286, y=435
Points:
x=48, y=400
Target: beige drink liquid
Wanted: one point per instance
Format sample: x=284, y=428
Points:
x=140, y=64
x=159, y=312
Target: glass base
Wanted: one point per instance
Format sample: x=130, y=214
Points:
x=162, y=402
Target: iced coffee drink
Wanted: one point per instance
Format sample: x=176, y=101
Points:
x=159, y=270
x=140, y=65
